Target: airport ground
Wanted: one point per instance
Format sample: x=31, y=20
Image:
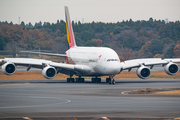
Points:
x=27, y=95
x=56, y=99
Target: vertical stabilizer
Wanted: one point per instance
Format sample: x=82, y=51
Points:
x=70, y=33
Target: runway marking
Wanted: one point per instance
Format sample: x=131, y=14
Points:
x=105, y=118
x=27, y=118
x=43, y=105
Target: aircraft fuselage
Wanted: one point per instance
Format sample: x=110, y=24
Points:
x=101, y=60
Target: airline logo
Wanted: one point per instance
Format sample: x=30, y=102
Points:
x=100, y=57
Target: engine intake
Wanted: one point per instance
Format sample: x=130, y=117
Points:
x=49, y=72
x=8, y=68
x=143, y=72
x=171, y=69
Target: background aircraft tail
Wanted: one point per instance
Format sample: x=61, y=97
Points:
x=70, y=33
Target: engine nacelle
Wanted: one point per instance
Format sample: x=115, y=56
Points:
x=143, y=72
x=8, y=68
x=171, y=68
x=49, y=72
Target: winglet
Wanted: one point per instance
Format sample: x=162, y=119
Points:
x=70, y=33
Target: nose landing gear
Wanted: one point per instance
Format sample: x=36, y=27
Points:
x=110, y=80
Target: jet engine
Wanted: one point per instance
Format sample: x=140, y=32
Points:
x=143, y=72
x=8, y=68
x=49, y=72
x=171, y=68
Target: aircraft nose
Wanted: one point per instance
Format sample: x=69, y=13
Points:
x=114, y=68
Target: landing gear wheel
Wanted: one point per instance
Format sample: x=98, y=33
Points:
x=110, y=80
x=80, y=80
x=113, y=82
x=93, y=80
x=70, y=80
x=107, y=80
x=77, y=80
x=96, y=80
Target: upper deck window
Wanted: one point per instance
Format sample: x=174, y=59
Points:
x=112, y=60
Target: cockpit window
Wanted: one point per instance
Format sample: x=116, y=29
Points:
x=112, y=60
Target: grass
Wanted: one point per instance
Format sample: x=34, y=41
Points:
x=5, y=56
x=122, y=75
x=161, y=91
x=172, y=92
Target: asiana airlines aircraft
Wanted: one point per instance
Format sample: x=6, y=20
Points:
x=88, y=61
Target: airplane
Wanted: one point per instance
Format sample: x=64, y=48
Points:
x=88, y=61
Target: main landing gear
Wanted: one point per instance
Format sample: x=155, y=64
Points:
x=110, y=80
x=96, y=80
x=70, y=80
x=79, y=80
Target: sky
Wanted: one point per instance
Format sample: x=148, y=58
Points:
x=88, y=10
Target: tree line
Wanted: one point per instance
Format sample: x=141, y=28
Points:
x=130, y=39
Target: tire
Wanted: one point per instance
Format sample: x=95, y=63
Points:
x=77, y=80
x=99, y=80
x=68, y=80
x=82, y=80
x=107, y=80
x=113, y=82
x=93, y=80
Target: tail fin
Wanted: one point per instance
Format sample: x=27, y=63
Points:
x=70, y=33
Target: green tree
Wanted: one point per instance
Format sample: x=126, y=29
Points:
x=170, y=52
x=22, y=24
x=157, y=46
x=91, y=43
x=30, y=25
x=105, y=45
x=2, y=43
x=87, y=35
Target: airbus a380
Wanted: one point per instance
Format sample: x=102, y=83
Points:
x=88, y=61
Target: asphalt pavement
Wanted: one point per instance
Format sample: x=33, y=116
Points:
x=52, y=99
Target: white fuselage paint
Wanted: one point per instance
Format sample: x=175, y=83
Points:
x=101, y=60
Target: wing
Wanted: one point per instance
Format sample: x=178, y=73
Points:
x=49, y=68
x=49, y=54
x=129, y=64
x=170, y=66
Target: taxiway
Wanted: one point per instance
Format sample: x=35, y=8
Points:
x=56, y=98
